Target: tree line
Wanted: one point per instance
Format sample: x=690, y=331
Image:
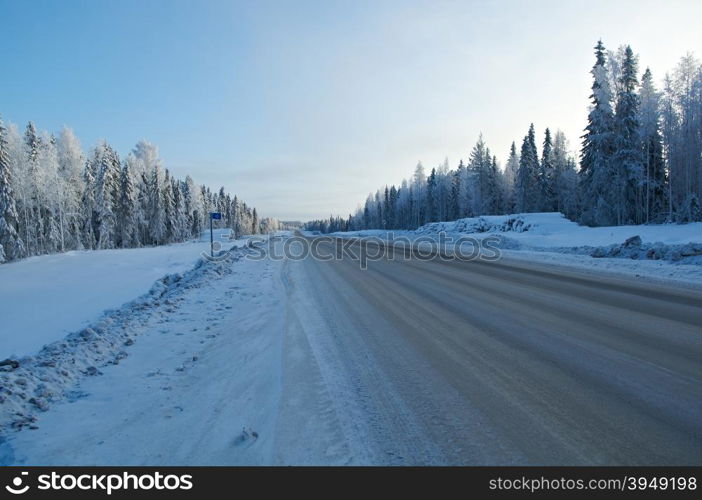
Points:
x=640, y=162
x=55, y=198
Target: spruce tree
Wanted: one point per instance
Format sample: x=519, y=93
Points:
x=455, y=203
x=168, y=208
x=386, y=209
x=527, y=193
x=156, y=217
x=627, y=158
x=392, y=208
x=106, y=196
x=88, y=206
x=128, y=223
x=431, y=197
x=546, y=175
x=597, y=148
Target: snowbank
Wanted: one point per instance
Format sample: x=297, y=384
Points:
x=42, y=299
x=32, y=383
x=549, y=231
x=667, y=251
x=553, y=230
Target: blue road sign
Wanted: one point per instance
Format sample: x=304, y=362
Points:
x=215, y=215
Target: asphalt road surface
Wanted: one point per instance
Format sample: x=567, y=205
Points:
x=435, y=362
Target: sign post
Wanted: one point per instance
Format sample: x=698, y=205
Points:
x=213, y=216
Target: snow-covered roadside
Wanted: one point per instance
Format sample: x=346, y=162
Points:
x=32, y=384
x=43, y=299
x=215, y=376
x=669, y=253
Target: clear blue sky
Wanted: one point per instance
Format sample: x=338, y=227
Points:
x=304, y=107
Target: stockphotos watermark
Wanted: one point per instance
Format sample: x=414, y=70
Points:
x=391, y=246
x=107, y=483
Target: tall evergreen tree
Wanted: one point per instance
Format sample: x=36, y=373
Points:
x=156, y=217
x=654, y=178
x=627, y=160
x=597, y=148
x=71, y=162
x=128, y=220
x=11, y=244
x=527, y=189
x=511, y=176
x=106, y=196
x=254, y=222
x=547, y=175
x=168, y=208
x=392, y=207
x=51, y=196
x=386, y=209
x=431, y=209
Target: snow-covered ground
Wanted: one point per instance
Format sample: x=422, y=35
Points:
x=268, y=361
x=192, y=377
x=666, y=252
x=42, y=299
x=201, y=370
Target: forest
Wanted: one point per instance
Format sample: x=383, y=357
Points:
x=55, y=198
x=640, y=162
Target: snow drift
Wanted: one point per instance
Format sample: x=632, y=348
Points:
x=32, y=383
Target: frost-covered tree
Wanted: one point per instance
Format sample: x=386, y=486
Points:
x=654, y=178
x=254, y=223
x=640, y=150
x=191, y=206
x=157, y=220
x=168, y=208
x=547, y=175
x=483, y=180
x=465, y=195
x=106, y=195
x=511, y=169
x=454, y=195
x=56, y=199
x=71, y=163
x=626, y=158
x=128, y=219
x=180, y=216
x=598, y=145
x=565, y=181
x=527, y=186
x=88, y=207
x=11, y=244
x=30, y=201
x=51, y=194
x=682, y=138
x=431, y=210
x=419, y=186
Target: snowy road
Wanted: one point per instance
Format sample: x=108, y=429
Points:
x=407, y=362
x=503, y=363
